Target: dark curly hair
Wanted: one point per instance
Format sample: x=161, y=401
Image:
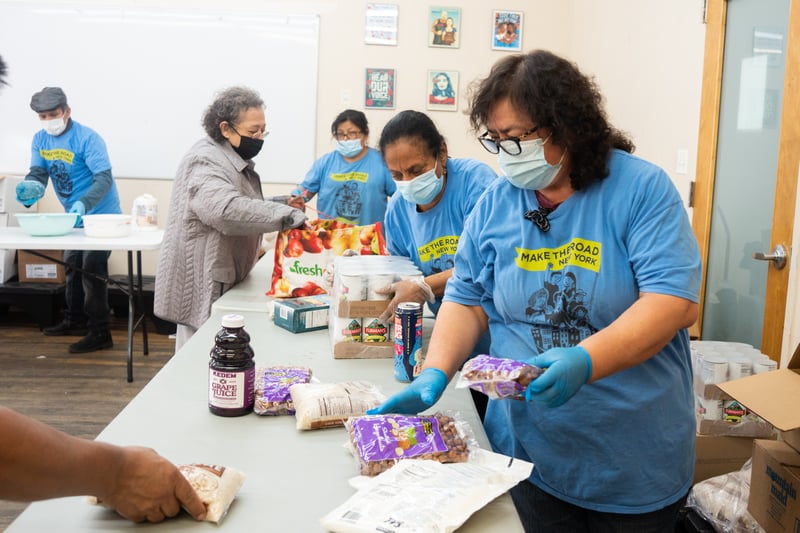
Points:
x=356, y=117
x=557, y=96
x=228, y=106
x=3, y=72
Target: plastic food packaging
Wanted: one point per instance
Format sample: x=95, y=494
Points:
x=496, y=377
x=722, y=500
x=325, y=405
x=272, y=388
x=378, y=442
x=216, y=485
x=426, y=496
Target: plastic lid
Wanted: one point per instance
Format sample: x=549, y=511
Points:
x=233, y=321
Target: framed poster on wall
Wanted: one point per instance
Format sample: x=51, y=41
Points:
x=442, y=90
x=507, y=30
x=379, y=89
x=444, y=24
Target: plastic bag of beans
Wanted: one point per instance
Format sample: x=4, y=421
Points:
x=496, y=377
x=379, y=441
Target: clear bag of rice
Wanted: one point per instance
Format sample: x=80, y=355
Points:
x=216, y=485
x=325, y=405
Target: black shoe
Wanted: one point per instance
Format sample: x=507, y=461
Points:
x=66, y=328
x=92, y=342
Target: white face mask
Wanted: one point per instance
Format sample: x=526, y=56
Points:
x=55, y=126
x=422, y=189
x=529, y=169
x=349, y=148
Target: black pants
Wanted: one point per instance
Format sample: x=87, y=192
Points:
x=86, y=295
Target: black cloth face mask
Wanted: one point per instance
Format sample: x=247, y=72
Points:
x=248, y=147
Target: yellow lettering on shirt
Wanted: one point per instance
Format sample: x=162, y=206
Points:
x=445, y=245
x=579, y=252
x=58, y=154
x=350, y=176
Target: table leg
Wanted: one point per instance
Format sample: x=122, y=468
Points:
x=131, y=315
x=143, y=318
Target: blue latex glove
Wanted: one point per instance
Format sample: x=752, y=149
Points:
x=423, y=392
x=80, y=208
x=566, y=371
x=29, y=192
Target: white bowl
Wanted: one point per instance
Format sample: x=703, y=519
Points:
x=46, y=224
x=107, y=225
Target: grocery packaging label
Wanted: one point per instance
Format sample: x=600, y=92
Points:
x=303, y=257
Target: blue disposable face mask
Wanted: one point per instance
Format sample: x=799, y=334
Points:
x=529, y=169
x=349, y=148
x=422, y=189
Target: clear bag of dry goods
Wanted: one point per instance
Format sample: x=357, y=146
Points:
x=272, y=388
x=496, y=377
x=378, y=442
x=216, y=485
x=325, y=405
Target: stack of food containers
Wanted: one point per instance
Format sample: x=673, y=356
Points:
x=360, y=295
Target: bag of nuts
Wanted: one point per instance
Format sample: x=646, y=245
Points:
x=272, y=388
x=498, y=378
x=380, y=441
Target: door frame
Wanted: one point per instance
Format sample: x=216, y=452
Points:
x=775, y=312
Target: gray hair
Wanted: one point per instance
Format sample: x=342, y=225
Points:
x=228, y=106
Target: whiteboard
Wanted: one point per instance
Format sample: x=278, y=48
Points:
x=142, y=78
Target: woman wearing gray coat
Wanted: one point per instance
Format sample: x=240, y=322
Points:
x=217, y=214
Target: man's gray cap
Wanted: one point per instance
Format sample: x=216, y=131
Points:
x=47, y=99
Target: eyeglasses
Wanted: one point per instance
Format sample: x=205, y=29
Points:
x=509, y=145
x=348, y=136
x=262, y=134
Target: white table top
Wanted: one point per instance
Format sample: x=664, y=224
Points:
x=251, y=293
x=293, y=477
x=15, y=238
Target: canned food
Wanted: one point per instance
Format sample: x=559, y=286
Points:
x=408, y=341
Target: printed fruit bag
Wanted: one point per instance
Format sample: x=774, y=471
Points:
x=303, y=258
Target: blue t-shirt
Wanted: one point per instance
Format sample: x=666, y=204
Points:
x=623, y=444
x=355, y=193
x=430, y=238
x=72, y=159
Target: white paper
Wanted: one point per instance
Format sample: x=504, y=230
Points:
x=426, y=496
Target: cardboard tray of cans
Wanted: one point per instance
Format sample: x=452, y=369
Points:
x=354, y=325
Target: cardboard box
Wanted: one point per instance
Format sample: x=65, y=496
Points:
x=717, y=455
x=298, y=315
x=363, y=350
x=33, y=268
x=8, y=268
x=775, y=480
x=774, y=485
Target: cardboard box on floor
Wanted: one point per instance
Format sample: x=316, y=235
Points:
x=33, y=268
x=716, y=455
x=775, y=481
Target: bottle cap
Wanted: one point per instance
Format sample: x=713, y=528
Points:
x=233, y=321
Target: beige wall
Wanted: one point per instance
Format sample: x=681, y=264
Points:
x=647, y=57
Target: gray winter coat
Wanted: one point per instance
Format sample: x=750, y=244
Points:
x=217, y=217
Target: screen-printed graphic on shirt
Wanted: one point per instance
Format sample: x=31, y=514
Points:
x=560, y=308
x=439, y=253
x=348, y=197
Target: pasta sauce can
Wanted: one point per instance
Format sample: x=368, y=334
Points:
x=407, y=341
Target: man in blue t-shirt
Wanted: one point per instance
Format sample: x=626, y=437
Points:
x=75, y=159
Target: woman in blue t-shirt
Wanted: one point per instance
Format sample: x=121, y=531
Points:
x=581, y=261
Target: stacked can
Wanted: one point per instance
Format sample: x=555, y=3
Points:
x=354, y=289
x=408, y=341
x=374, y=329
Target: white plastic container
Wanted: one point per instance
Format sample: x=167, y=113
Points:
x=105, y=226
x=145, y=212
